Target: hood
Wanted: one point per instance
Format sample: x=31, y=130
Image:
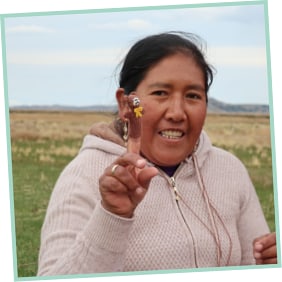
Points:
x=103, y=136
x=203, y=148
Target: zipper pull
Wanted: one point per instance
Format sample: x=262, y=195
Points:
x=172, y=182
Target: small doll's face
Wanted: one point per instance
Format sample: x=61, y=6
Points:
x=136, y=102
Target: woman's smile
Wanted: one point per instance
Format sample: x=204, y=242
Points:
x=172, y=134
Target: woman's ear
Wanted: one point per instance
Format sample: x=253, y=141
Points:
x=122, y=100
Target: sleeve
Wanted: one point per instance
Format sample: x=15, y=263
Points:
x=251, y=223
x=78, y=235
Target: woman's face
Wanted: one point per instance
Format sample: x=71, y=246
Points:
x=174, y=101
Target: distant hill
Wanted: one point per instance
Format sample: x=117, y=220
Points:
x=214, y=106
x=93, y=108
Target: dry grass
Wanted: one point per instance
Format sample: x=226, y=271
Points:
x=227, y=130
x=239, y=130
x=53, y=125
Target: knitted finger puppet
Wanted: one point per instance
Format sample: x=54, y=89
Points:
x=133, y=116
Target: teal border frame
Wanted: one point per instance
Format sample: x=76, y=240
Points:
x=131, y=9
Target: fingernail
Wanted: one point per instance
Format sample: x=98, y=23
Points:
x=140, y=162
x=139, y=190
x=257, y=255
x=258, y=246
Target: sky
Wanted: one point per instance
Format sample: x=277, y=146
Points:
x=72, y=59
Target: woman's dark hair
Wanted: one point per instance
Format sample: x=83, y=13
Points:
x=147, y=52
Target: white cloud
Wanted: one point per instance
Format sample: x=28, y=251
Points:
x=139, y=24
x=13, y=102
x=28, y=29
x=105, y=56
x=218, y=13
x=203, y=13
x=133, y=24
x=234, y=56
x=237, y=56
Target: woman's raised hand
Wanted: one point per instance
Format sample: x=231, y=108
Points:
x=124, y=184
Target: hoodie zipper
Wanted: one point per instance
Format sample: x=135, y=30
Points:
x=176, y=193
x=177, y=197
x=172, y=183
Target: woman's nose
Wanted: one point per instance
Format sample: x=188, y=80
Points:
x=176, y=110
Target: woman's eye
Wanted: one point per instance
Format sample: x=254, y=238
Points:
x=194, y=96
x=159, y=93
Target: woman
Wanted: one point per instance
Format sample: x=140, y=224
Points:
x=178, y=203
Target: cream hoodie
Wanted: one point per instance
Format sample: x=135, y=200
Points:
x=206, y=215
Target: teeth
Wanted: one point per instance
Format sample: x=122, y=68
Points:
x=171, y=134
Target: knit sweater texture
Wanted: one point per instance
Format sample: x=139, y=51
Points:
x=169, y=230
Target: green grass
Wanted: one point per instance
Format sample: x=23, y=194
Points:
x=35, y=171
x=259, y=165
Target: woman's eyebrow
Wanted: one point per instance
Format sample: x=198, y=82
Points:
x=159, y=85
x=198, y=87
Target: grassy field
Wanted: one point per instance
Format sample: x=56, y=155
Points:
x=44, y=142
